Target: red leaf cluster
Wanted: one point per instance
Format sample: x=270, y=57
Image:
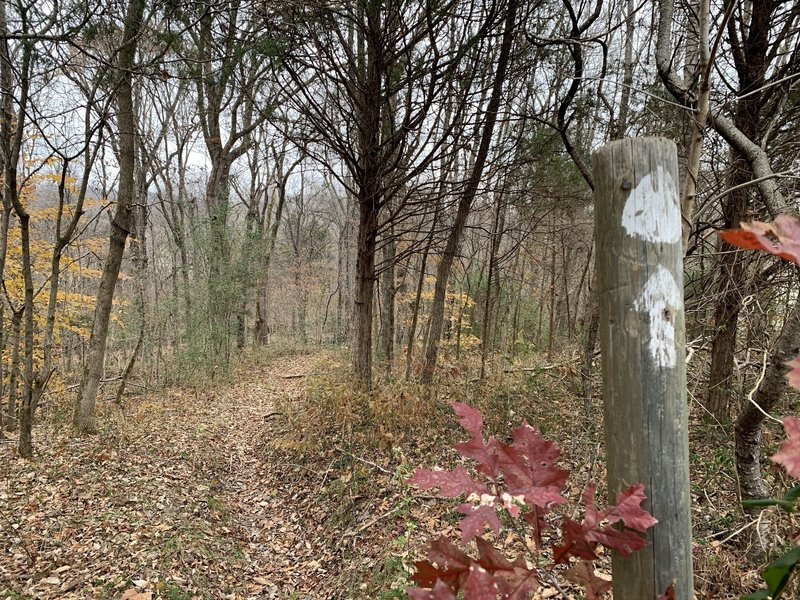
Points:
x=531, y=485
x=527, y=467
x=485, y=577
x=581, y=539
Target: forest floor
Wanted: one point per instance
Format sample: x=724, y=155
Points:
x=239, y=490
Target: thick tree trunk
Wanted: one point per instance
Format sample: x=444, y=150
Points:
x=751, y=66
x=84, y=415
x=726, y=318
x=220, y=280
x=371, y=104
x=730, y=284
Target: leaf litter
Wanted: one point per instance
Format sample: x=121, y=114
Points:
x=195, y=493
x=172, y=499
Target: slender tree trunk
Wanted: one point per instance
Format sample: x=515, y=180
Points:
x=699, y=118
x=8, y=162
x=365, y=286
x=13, y=369
x=140, y=261
x=494, y=249
x=26, y=409
x=11, y=192
x=542, y=292
x=5, y=418
x=261, y=333
x=412, y=330
x=552, y=324
x=387, y=301
x=748, y=424
x=84, y=415
x=467, y=197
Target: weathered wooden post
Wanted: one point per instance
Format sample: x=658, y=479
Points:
x=642, y=338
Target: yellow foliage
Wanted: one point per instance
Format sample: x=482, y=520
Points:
x=457, y=305
x=73, y=314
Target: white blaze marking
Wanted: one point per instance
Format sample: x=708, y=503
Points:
x=651, y=211
x=660, y=298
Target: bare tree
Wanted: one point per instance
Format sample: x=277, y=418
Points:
x=470, y=190
x=121, y=223
x=367, y=79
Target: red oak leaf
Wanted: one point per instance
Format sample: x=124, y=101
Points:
x=484, y=453
x=451, y=484
x=629, y=510
x=541, y=455
x=469, y=418
x=480, y=585
x=490, y=558
x=581, y=539
x=623, y=541
x=669, y=594
x=517, y=584
x=781, y=237
x=476, y=520
x=515, y=581
x=530, y=475
x=440, y=591
x=447, y=556
x=426, y=574
x=535, y=518
x=575, y=543
x=789, y=454
x=451, y=565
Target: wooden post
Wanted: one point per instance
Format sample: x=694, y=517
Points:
x=642, y=339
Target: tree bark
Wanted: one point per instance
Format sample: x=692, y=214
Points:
x=387, y=301
x=748, y=424
x=487, y=332
x=365, y=286
x=12, y=420
x=734, y=207
x=121, y=224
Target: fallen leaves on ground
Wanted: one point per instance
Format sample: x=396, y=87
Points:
x=172, y=499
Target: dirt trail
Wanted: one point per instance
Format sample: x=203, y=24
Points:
x=172, y=499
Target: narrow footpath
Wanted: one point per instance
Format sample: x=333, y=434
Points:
x=173, y=499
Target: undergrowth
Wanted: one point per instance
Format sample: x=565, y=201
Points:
x=334, y=411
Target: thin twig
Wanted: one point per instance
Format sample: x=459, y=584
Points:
x=734, y=534
x=755, y=389
x=364, y=460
